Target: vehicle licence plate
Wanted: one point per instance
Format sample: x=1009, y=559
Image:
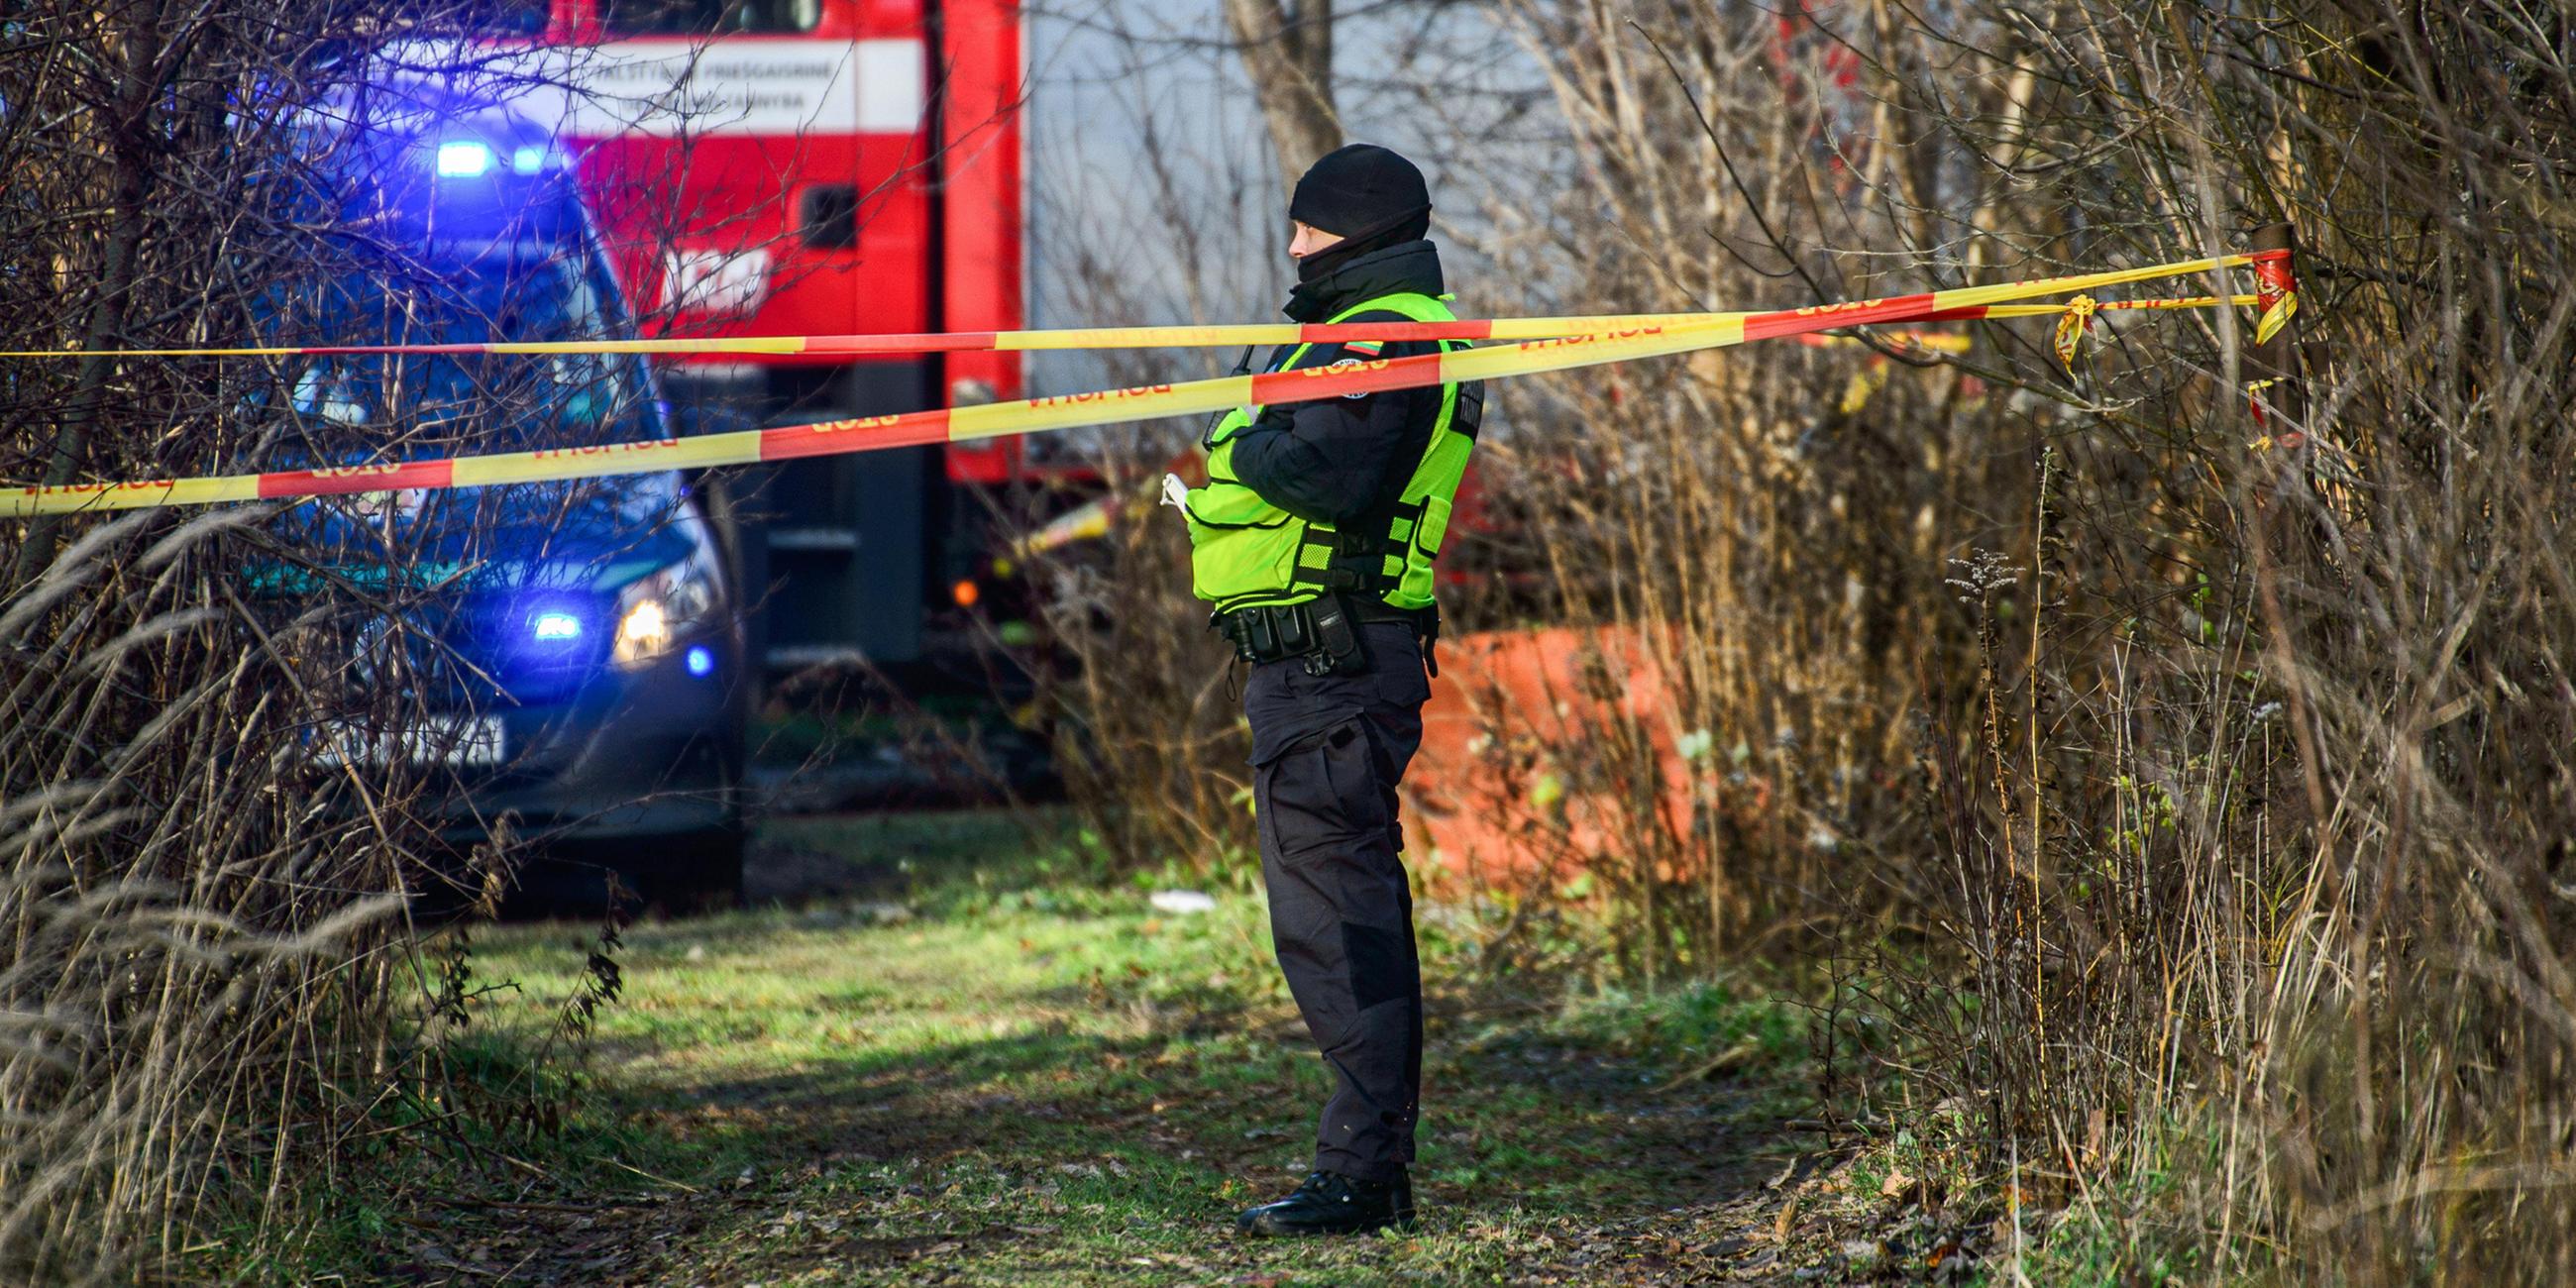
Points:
x=463, y=741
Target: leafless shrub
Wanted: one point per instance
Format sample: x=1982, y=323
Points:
x=1149, y=738
x=2291, y=760
x=1753, y=530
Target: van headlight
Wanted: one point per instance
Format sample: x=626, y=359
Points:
x=658, y=611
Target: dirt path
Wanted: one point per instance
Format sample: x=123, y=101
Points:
x=992, y=1080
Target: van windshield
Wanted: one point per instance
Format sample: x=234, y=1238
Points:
x=376, y=408
x=470, y=403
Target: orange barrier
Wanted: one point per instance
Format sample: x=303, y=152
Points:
x=1489, y=801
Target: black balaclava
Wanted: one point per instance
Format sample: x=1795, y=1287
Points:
x=1368, y=195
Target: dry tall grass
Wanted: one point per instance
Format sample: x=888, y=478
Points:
x=210, y=1007
x=2285, y=762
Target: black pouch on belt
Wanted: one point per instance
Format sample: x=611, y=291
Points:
x=1296, y=634
x=1337, y=639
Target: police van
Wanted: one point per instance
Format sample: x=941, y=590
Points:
x=567, y=662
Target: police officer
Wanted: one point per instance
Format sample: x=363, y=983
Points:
x=1313, y=541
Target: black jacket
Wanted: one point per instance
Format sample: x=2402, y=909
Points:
x=1344, y=461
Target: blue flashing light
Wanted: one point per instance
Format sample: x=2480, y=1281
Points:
x=555, y=627
x=701, y=661
x=465, y=159
x=528, y=160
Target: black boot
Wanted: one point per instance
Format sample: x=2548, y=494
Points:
x=1331, y=1203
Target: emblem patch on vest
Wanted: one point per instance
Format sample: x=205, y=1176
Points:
x=1346, y=362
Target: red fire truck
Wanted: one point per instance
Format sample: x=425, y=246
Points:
x=791, y=167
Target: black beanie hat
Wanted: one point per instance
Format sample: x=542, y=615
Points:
x=1359, y=190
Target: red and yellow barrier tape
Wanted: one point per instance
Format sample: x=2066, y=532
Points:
x=1657, y=337
x=1135, y=337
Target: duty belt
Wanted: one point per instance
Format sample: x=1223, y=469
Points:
x=1322, y=633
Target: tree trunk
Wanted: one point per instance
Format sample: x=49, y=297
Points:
x=1287, y=46
x=133, y=150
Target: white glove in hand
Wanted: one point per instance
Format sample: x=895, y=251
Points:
x=1176, y=494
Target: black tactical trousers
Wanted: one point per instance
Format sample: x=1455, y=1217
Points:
x=1327, y=754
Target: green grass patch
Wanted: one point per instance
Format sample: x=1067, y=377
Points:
x=994, y=1066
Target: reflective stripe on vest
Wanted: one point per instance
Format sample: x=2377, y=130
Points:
x=1247, y=553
